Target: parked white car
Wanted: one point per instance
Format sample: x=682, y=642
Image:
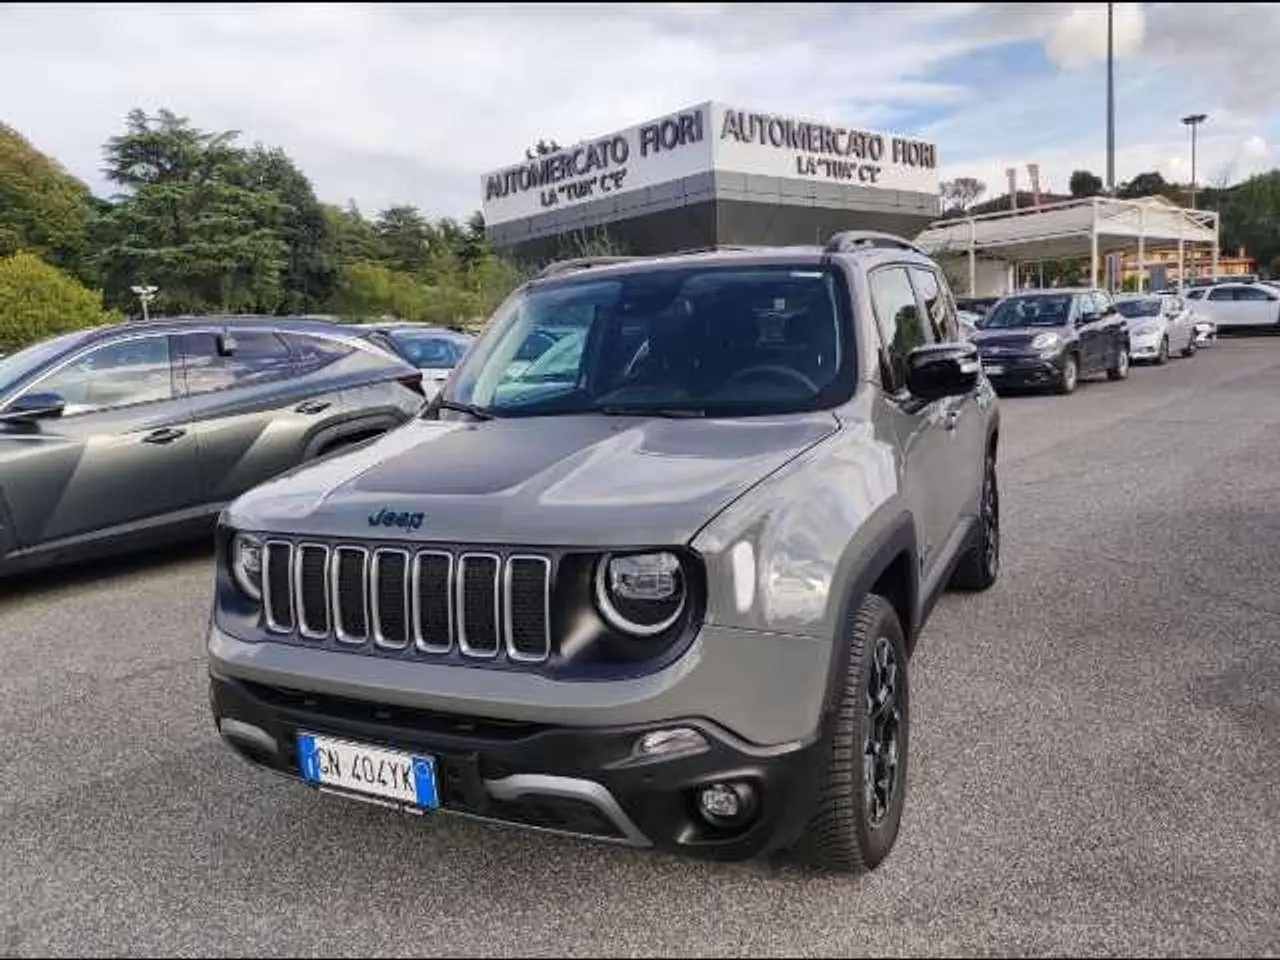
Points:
x=1242, y=305
x=1158, y=326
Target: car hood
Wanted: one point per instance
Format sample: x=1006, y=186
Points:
x=590, y=480
x=1011, y=336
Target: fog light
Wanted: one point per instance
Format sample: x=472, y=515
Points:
x=727, y=804
x=666, y=743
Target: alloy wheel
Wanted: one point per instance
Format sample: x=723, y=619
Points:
x=884, y=716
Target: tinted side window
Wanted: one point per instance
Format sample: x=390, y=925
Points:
x=259, y=357
x=1251, y=293
x=938, y=306
x=114, y=375
x=898, y=319
x=1220, y=293
x=315, y=353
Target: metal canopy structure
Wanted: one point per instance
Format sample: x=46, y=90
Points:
x=1089, y=229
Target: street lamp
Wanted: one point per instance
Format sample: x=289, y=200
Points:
x=1111, y=103
x=1194, y=120
x=145, y=295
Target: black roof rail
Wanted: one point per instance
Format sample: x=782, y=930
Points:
x=579, y=263
x=846, y=241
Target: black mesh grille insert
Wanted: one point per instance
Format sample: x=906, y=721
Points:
x=393, y=624
x=352, y=619
x=479, y=604
x=279, y=601
x=528, y=607
x=434, y=626
x=313, y=599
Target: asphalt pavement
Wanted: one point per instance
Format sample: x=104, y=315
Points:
x=1095, y=757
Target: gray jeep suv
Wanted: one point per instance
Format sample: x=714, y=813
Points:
x=662, y=592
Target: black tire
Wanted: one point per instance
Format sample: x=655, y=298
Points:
x=1162, y=355
x=1120, y=369
x=853, y=828
x=1069, y=378
x=979, y=567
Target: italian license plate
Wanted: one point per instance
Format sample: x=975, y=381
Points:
x=373, y=771
x=992, y=369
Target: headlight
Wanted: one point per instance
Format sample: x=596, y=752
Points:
x=641, y=594
x=1046, y=341
x=246, y=564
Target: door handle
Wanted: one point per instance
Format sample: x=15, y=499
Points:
x=164, y=435
x=949, y=419
x=312, y=406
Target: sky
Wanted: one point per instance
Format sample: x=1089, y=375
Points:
x=410, y=103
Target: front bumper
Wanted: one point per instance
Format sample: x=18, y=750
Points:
x=1022, y=370
x=1145, y=347
x=582, y=781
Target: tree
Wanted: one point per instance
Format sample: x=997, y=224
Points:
x=1150, y=184
x=40, y=301
x=311, y=271
x=1251, y=217
x=1084, y=184
x=193, y=217
x=963, y=192
x=405, y=237
x=541, y=149
x=42, y=207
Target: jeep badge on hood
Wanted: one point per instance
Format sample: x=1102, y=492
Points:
x=387, y=518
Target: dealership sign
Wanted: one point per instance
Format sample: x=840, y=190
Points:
x=707, y=137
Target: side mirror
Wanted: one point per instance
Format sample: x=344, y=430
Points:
x=1087, y=318
x=34, y=406
x=943, y=370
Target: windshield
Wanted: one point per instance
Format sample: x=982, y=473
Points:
x=1037, y=311
x=428, y=350
x=711, y=340
x=1147, y=307
x=18, y=366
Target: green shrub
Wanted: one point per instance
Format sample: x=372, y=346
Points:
x=39, y=301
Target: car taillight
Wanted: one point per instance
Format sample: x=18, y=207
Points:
x=414, y=382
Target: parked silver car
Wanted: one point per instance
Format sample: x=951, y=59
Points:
x=1158, y=326
x=131, y=435
x=662, y=591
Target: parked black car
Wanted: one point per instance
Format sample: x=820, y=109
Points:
x=1052, y=338
x=976, y=305
x=123, y=436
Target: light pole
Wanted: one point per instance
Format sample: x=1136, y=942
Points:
x=145, y=295
x=1194, y=120
x=1111, y=103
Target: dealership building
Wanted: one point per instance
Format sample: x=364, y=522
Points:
x=712, y=175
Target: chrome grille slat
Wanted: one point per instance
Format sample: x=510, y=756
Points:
x=394, y=598
x=425, y=637
x=272, y=567
x=465, y=563
x=513, y=627
x=399, y=597
x=340, y=610
x=317, y=627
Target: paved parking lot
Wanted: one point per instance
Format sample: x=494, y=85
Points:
x=1095, y=756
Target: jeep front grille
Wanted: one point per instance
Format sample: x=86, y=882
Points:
x=429, y=601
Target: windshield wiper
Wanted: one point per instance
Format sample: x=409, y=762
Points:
x=673, y=413
x=478, y=412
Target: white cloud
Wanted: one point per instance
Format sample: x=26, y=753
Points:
x=1079, y=38
x=411, y=102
